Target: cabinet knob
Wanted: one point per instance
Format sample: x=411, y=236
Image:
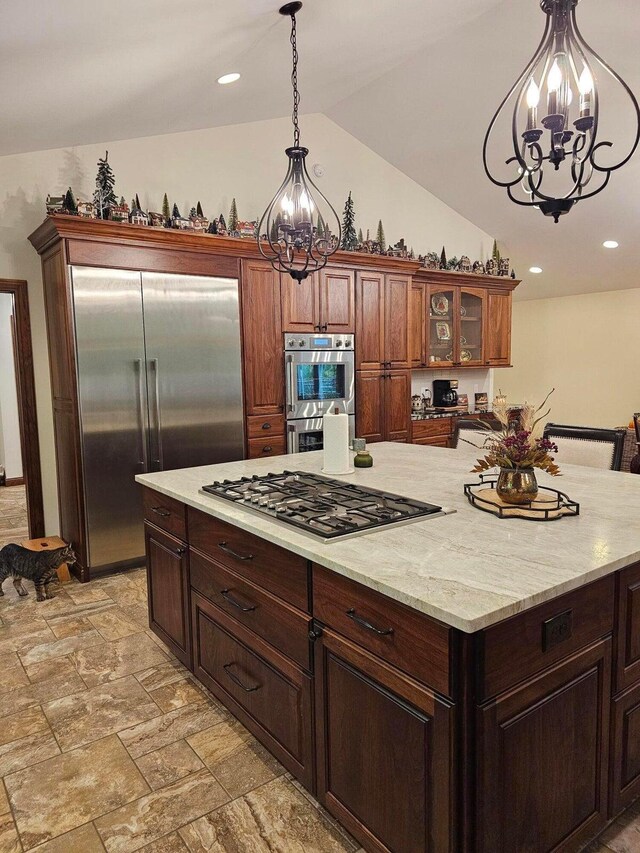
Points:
x=181, y=551
x=267, y=449
x=266, y=426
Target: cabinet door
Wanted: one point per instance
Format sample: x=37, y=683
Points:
x=262, y=339
x=384, y=751
x=370, y=350
x=370, y=423
x=397, y=405
x=396, y=321
x=441, y=325
x=543, y=751
x=417, y=325
x=300, y=304
x=627, y=664
x=168, y=591
x=471, y=326
x=498, y=329
x=337, y=301
x=625, y=740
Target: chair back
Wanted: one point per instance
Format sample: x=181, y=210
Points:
x=469, y=432
x=636, y=423
x=590, y=446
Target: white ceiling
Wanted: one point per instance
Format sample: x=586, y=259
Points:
x=416, y=80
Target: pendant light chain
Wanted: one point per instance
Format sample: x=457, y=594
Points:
x=294, y=82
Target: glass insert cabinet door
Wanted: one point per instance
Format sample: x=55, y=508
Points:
x=441, y=314
x=472, y=314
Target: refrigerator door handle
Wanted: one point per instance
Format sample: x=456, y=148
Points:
x=143, y=460
x=153, y=362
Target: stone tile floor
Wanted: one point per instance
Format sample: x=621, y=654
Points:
x=107, y=744
x=13, y=514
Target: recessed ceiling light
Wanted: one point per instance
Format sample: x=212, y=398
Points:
x=228, y=78
x=536, y=270
x=610, y=244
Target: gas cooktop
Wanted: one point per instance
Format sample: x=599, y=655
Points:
x=327, y=508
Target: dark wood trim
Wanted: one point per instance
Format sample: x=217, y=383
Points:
x=27, y=413
x=61, y=226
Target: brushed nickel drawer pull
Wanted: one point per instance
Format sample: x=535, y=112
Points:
x=227, y=550
x=364, y=624
x=165, y=513
x=236, y=680
x=235, y=603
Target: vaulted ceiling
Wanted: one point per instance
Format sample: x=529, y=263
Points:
x=415, y=80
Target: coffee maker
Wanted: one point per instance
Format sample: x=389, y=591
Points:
x=445, y=393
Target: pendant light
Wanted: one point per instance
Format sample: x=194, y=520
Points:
x=299, y=230
x=561, y=134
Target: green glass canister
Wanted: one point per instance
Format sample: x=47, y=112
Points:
x=363, y=458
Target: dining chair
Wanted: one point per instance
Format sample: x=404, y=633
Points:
x=593, y=447
x=469, y=432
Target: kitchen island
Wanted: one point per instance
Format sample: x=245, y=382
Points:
x=459, y=683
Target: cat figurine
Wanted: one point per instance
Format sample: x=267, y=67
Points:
x=37, y=566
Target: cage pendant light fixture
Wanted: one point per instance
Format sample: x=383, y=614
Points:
x=555, y=123
x=299, y=230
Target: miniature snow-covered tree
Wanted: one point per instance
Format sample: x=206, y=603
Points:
x=166, y=210
x=349, y=238
x=199, y=210
x=380, y=238
x=104, y=196
x=233, y=217
x=69, y=204
x=222, y=225
x=175, y=213
x=495, y=254
x=360, y=236
x=138, y=205
x=443, y=259
x=320, y=226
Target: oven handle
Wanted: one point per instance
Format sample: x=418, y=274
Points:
x=290, y=384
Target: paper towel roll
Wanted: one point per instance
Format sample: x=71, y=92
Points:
x=335, y=428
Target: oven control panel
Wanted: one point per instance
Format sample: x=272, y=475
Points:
x=318, y=342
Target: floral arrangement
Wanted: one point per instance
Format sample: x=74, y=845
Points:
x=517, y=448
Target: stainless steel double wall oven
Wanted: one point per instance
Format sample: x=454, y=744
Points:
x=320, y=375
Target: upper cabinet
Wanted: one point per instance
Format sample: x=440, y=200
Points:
x=262, y=339
x=498, y=329
x=323, y=302
x=382, y=321
x=459, y=326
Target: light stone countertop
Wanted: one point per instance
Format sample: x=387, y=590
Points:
x=469, y=569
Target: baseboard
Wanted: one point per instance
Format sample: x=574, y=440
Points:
x=14, y=481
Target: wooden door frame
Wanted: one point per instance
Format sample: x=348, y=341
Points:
x=27, y=414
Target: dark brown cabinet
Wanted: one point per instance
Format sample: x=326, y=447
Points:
x=384, y=405
x=262, y=340
x=323, y=302
x=168, y=590
x=543, y=751
x=382, y=321
x=417, y=324
x=384, y=751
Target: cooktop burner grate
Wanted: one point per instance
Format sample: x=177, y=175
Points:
x=320, y=505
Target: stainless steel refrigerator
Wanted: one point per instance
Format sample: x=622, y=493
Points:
x=160, y=387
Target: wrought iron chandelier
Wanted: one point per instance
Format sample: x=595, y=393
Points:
x=299, y=230
x=565, y=133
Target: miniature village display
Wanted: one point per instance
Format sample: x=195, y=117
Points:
x=105, y=205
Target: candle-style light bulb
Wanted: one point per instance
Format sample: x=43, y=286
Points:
x=585, y=85
x=533, y=99
x=554, y=82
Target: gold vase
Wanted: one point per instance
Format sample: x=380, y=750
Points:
x=517, y=485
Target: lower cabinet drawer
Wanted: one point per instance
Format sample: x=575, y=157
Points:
x=273, y=620
x=270, y=445
x=165, y=512
x=431, y=428
x=262, y=427
x=267, y=693
x=437, y=441
x=409, y=640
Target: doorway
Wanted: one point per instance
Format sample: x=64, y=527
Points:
x=21, y=504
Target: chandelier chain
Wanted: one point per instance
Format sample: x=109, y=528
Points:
x=294, y=82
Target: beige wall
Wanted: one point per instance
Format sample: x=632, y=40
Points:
x=587, y=347
x=246, y=161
